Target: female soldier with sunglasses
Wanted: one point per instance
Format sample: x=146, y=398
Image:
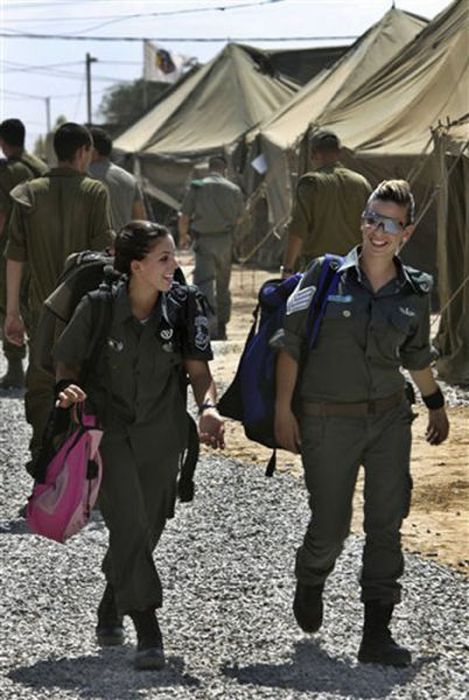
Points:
x=353, y=412
x=158, y=334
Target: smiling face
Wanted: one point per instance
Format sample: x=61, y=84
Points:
x=157, y=268
x=377, y=242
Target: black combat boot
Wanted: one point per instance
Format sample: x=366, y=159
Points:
x=14, y=377
x=109, y=630
x=377, y=645
x=308, y=607
x=149, y=655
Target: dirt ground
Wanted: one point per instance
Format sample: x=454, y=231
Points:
x=438, y=524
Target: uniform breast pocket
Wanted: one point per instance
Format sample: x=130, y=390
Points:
x=338, y=308
x=400, y=324
x=116, y=353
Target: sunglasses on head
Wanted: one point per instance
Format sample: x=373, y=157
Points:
x=389, y=225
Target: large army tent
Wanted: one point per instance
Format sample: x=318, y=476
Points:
x=280, y=135
x=208, y=114
x=451, y=154
x=387, y=123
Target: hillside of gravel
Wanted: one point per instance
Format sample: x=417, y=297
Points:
x=226, y=563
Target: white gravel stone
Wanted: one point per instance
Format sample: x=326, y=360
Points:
x=226, y=562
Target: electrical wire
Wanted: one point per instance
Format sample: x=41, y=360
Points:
x=169, y=39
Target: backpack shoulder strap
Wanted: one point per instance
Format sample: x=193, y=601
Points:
x=101, y=317
x=327, y=284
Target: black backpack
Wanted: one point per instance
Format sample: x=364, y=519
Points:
x=86, y=272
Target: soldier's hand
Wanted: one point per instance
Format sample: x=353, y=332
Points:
x=14, y=329
x=70, y=395
x=287, y=430
x=212, y=428
x=438, y=426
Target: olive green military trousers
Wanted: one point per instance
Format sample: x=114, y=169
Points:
x=333, y=448
x=212, y=274
x=137, y=496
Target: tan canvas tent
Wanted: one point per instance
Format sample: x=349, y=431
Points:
x=387, y=123
x=451, y=155
x=209, y=113
x=281, y=134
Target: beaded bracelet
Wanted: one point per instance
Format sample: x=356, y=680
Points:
x=435, y=400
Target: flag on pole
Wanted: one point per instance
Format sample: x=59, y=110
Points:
x=160, y=65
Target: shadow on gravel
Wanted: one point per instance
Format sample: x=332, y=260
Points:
x=16, y=526
x=314, y=670
x=105, y=676
x=11, y=393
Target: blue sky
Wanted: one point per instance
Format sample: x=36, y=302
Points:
x=32, y=69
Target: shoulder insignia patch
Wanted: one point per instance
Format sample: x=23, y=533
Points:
x=202, y=337
x=300, y=299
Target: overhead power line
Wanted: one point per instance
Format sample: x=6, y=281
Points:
x=175, y=39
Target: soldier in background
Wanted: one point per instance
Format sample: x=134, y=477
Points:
x=212, y=207
x=17, y=167
x=124, y=191
x=53, y=216
x=328, y=206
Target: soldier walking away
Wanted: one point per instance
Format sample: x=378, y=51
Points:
x=124, y=191
x=18, y=167
x=53, y=216
x=212, y=208
x=328, y=205
x=352, y=411
x=158, y=334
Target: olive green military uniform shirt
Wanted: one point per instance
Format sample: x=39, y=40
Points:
x=328, y=207
x=364, y=338
x=53, y=216
x=13, y=171
x=140, y=369
x=214, y=204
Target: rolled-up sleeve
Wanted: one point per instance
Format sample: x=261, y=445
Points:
x=416, y=351
x=16, y=244
x=302, y=222
x=292, y=336
x=188, y=204
x=196, y=337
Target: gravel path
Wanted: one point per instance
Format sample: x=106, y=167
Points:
x=226, y=564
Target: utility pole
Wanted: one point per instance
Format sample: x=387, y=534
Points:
x=49, y=127
x=89, y=60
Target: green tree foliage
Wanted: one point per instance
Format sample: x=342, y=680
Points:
x=124, y=103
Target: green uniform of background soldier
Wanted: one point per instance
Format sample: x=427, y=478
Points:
x=212, y=207
x=328, y=204
x=53, y=216
x=18, y=167
x=353, y=412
